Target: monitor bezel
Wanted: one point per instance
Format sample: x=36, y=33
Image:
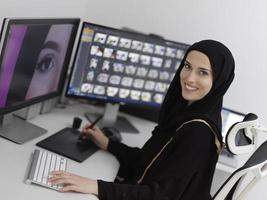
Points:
x=234, y=112
x=152, y=37
x=7, y=22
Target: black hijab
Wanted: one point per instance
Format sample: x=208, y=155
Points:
x=175, y=110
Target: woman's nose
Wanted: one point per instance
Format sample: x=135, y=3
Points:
x=191, y=77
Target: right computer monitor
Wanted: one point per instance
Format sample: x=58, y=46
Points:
x=119, y=66
x=230, y=117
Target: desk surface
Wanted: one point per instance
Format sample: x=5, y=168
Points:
x=101, y=165
x=15, y=158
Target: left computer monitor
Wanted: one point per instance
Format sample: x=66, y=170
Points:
x=34, y=59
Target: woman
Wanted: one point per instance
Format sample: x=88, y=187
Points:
x=179, y=160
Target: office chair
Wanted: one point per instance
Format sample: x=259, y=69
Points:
x=256, y=165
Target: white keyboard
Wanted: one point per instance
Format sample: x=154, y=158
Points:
x=42, y=163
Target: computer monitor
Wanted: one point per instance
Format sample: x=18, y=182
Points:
x=35, y=55
x=122, y=67
x=230, y=117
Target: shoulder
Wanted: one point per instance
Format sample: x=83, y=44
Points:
x=198, y=130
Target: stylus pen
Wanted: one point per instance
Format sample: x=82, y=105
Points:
x=94, y=122
x=91, y=126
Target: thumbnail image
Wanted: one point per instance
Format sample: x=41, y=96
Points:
x=157, y=62
x=160, y=87
x=160, y=50
x=138, y=83
x=99, y=89
x=125, y=43
x=113, y=40
x=130, y=69
x=126, y=81
x=141, y=71
x=149, y=85
x=118, y=67
x=148, y=48
x=112, y=91
x=164, y=76
x=122, y=55
x=109, y=53
x=90, y=76
x=167, y=63
x=106, y=65
x=87, y=34
x=96, y=51
x=102, y=78
x=137, y=45
x=115, y=80
x=158, y=98
x=124, y=93
x=93, y=63
x=146, y=96
x=87, y=88
x=135, y=95
x=100, y=37
x=134, y=57
x=145, y=60
x=170, y=52
x=180, y=54
x=153, y=73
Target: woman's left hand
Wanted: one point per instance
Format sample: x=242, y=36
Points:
x=72, y=182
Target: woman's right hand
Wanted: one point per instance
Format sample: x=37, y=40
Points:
x=96, y=135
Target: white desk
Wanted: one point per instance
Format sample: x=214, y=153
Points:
x=101, y=165
x=15, y=158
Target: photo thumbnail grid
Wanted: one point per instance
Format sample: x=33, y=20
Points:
x=127, y=66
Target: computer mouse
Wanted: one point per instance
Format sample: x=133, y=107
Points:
x=112, y=133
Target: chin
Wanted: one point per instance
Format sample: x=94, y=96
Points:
x=188, y=97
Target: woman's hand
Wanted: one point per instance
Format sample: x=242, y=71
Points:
x=96, y=135
x=72, y=182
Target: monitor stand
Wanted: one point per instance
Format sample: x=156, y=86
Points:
x=18, y=130
x=111, y=119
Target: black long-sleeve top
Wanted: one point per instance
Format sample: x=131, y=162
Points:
x=183, y=171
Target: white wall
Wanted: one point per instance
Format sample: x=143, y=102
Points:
x=42, y=8
x=240, y=24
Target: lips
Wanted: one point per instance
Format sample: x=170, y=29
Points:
x=190, y=87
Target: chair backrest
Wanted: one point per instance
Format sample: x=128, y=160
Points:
x=255, y=165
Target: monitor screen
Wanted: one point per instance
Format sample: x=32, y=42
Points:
x=123, y=67
x=35, y=55
x=230, y=117
x=34, y=59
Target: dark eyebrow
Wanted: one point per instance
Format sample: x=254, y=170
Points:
x=51, y=45
x=204, y=69
x=187, y=62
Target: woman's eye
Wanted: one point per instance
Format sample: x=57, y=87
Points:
x=203, y=73
x=187, y=66
x=45, y=64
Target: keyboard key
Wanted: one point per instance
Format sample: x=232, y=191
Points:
x=42, y=164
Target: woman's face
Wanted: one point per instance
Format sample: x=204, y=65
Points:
x=196, y=76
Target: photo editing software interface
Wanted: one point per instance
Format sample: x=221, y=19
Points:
x=120, y=66
x=34, y=60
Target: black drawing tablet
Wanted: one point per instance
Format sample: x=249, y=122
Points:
x=65, y=142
